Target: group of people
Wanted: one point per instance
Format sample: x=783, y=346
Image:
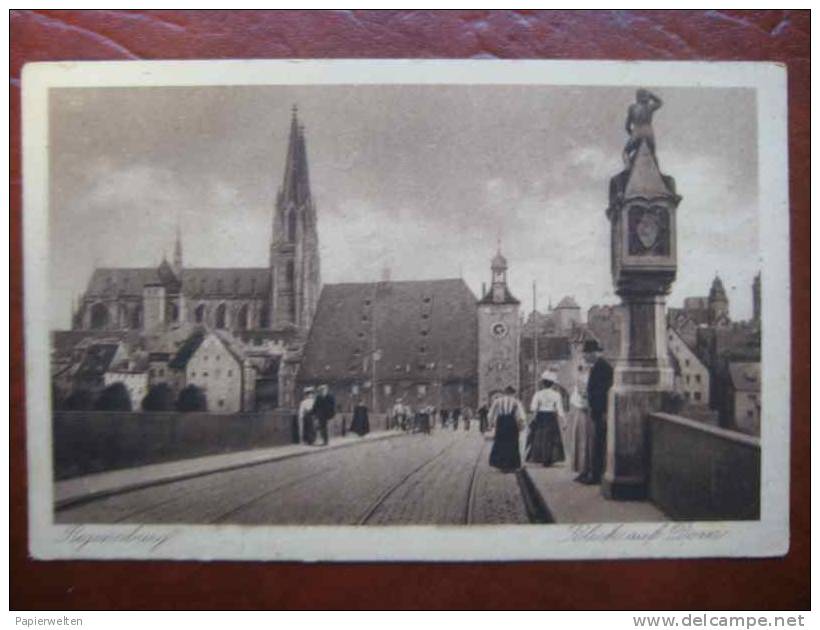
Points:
x=317, y=408
x=553, y=434
x=422, y=420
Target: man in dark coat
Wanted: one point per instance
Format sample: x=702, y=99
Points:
x=600, y=380
x=323, y=410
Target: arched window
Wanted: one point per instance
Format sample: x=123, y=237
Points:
x=199, y=314
x=136, y=317
x=122, y=316
x=242, y=318
x=292, y=226
x=264, y=317
x=220, y=316
x=99, y=316
x=173, y=312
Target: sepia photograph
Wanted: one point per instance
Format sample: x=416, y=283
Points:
x=406, y=310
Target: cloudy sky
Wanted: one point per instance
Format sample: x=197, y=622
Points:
x=421, y=179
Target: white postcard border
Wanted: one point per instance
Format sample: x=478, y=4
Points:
x=767, y=537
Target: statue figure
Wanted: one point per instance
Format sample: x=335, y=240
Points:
x=639, y=123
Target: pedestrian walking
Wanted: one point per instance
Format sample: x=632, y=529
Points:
x=507, y=415
x=483, y=412
x=397, y=414
x=444, y=418
x=306, y=418
x=455, y=415
x=425, y=418
x=600, y=380
x=360, y=424
x=324, y=409
x=468, y=415
x=544, y=445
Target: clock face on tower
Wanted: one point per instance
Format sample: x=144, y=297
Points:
x=499, y=329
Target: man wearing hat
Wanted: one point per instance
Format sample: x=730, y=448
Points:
x=600, y=380
x=324, y=409
x=306, y=416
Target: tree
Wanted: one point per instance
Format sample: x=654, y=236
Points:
x=115, y=397
x=159, y=398
x=192, y=398
x=79, y=400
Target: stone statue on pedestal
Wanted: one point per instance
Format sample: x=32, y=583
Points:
x=642, y=212
x=639, y=124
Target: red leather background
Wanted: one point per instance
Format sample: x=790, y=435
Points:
x=782, y=36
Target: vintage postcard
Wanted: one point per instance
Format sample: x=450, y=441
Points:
x=406, y=310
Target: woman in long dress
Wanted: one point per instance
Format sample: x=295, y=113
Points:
x=544, y=444
x=360, y=424
x=506, y=412
x=579, y=427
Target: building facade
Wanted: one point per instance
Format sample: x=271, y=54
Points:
x=745, y=396
x=691, y=374
x=380, y=341
x=219, y=368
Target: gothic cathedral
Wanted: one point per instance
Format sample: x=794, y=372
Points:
x=279, y=298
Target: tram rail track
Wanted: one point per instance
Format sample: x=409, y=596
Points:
x=386, y=494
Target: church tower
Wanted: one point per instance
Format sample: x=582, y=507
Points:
x=718, y=302
x=498, y=334
x=294, y=253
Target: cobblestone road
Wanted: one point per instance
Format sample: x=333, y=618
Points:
x=442, y=478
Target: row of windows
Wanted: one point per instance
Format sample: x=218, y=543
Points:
x=421, y=389
x=217, y=373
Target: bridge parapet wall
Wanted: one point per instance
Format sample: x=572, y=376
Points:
x=87, y=442
x=702, y=472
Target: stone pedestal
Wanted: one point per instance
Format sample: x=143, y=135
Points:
x=642, y=211
x=640, y=378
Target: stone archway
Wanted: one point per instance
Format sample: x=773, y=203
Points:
x=242, y=318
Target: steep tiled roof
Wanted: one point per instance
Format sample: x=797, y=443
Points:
x=745, y=376
x=424, y=330
x=97, y=359
x=121, y=281
x=186, y=350
x=225, y=282
x=63, y=342
x=196, y=282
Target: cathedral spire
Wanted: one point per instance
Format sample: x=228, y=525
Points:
x=296, y=183
x=178, y=252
